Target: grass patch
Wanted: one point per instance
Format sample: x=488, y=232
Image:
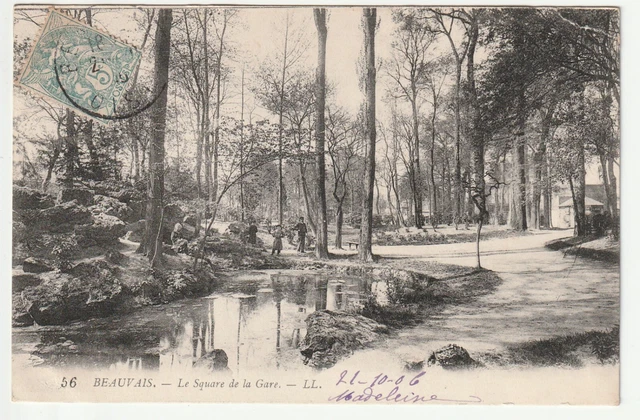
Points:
x=414, y=299
x=393, y=315
x=463, y=288
x=563, y=243
x=569, y=350
x=587, y=247
x=446, y=236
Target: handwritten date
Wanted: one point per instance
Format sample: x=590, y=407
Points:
x=404, y=389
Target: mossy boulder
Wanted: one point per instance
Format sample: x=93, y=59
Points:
x=451, y=356
x=83, y=196
x=103, y=231
x=88, y=290
x=335, y=335
x=25, y=198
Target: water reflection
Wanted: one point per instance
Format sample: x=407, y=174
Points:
x=249, y=325
x=261, y=330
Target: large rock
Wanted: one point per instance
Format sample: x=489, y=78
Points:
x=171, y=215
x=214, y=361
x=191, y=219
x=138, y=210
x=19, y=317
x=115, y=257
x=237, y=228
x=29, y=199
x=111, y=207
x=451, y=356
x=135, y=231
x=334, y=335
x=60, y=218
x=178, y=284
x=36, y=265
x=21, y=280
x=83, y=196
x=88, y=290
x=127, y=195
x=104, y=231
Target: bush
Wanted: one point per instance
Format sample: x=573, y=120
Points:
x=377, y=221
x=354, y=219
x=394, y=316
x=63, y=251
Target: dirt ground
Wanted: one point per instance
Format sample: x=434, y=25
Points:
x=543, y=294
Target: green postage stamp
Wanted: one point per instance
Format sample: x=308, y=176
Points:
x=80, y=67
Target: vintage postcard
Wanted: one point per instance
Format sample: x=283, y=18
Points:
x=336, y=205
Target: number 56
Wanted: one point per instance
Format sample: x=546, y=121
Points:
x=71, y=383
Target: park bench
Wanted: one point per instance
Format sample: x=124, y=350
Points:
x=353, y=243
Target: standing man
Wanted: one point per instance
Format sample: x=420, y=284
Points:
x=301, y=227
x=252, y=233
x=277, y=234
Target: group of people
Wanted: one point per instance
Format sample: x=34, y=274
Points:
x=278, y=233
x=252, y=235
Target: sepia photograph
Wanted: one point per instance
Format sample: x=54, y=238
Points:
x=316, y=204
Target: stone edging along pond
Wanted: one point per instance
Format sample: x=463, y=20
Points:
x=101, y=288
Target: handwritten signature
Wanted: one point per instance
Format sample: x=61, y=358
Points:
x=394, y=395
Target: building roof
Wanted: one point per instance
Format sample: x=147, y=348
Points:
x=596, y=192
x=588, y=201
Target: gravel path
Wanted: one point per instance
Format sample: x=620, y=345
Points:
x=543, y=294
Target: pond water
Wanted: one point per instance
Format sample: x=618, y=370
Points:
x=255, y=318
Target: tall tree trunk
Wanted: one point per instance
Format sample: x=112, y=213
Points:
x=216, y=141
x=94, y=159
x=396, y=194
x=199, y=152
x=320, y=17
x=207, y=158
x=457, y=182
x=539, y=164
x=443, y=195
x=206, y=117
x=477, y=185
x=136, y=159
x=605, y=177
x=390, y=205
x=546, y=193
x=613, y=200
x=339, y=223
x=377, y=196
x=71, y=150
x=514, y=192
x=311, y=216
x=370, y=21
x=153, y=231
x=417, y=191
x=536, y=192
x=608, y=179
x=281, y=127
x=242, y=215
x=522, y=181
x=521, y=152
x=537, y=187
x=51, y=165
x=580, y=195
x=457, y=185
x=434, y=190
x=613, y=188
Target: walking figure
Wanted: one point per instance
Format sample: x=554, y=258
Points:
x=301, y=227
x=252, y=233
x=277, y=234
